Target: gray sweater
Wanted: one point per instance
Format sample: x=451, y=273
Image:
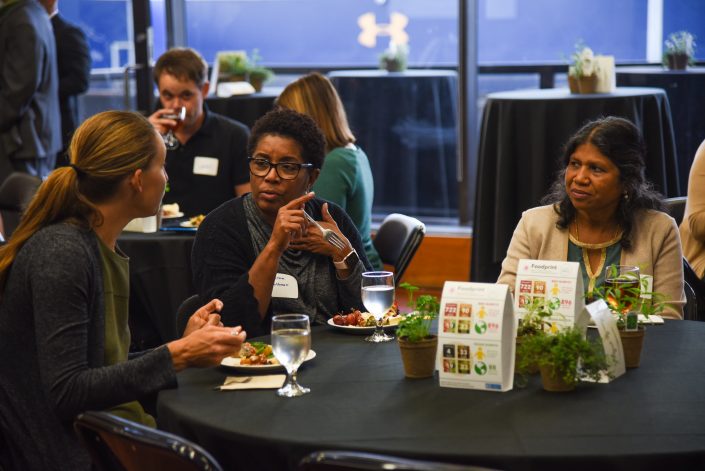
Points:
x=51, y=345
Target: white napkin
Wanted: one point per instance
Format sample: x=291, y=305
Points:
x=253, y=382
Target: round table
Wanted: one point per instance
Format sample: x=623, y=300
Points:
x=651, y=418
x=245, y=108
x=521, y=140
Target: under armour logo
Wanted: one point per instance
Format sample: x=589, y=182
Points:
x=393, y=29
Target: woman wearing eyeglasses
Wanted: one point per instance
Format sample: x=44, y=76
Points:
x=259, y=253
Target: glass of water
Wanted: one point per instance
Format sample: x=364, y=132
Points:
x=378, y=297
x=291, y=342
x=170, y=140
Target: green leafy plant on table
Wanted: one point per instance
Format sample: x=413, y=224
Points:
x=417, y=344
x=534, y=322
x=258, y=74
x=679, y=50
x=563, y=358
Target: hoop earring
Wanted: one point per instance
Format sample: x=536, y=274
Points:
x=626, y=196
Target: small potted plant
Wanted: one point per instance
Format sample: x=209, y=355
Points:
x=394, y=58
x=233, y=67
x=563, y=358
x=680, y=50
x=417, y=344
x=534, y=322
x=582, y=73
x=258, y=74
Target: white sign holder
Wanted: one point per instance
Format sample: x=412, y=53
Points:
x=476, y=332
x=611, y=341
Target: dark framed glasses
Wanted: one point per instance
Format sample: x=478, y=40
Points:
x=260, y=167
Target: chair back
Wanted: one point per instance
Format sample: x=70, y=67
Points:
x=353, y=460
x=186, y=309
x=116, y=444
x=15, y=194
x=698, y=287
x=690, y=311
x=397, y=240
x=675, y=207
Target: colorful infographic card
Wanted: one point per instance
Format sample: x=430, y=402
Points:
x=476, y=332
x=557, y=284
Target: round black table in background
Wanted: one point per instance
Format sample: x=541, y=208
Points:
x=245, y=108
x=521, y=140
x=406, y=122
x=160, y=279
x=651, y=418
x=686, y=95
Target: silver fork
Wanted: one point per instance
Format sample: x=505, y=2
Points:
x=330, y=236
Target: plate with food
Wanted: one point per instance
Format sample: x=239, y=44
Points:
x=171, y=211
x=193, y=222
x=257, y=356
x=356, y=322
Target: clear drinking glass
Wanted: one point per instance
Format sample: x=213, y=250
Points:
x=622, y=283
x=378, y=297
x=170, y=140
x=291, y=342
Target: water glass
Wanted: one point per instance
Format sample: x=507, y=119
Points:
x=378, y=297
x=622, y=285
x=291, y=342
x=170, y=140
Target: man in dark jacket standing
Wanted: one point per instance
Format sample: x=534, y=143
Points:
x=73, y=59
x=30, y=129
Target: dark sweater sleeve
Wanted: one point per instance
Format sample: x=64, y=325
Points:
x=64, y=293
x=221, y=259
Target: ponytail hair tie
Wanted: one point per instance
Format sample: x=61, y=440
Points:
x=79, y=172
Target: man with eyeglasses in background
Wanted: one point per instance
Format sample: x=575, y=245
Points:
x=208, y=165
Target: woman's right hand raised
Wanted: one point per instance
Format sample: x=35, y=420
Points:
x=290, y=222
x=206, y=346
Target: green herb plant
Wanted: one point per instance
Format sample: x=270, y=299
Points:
x=536, y=318
x=566, y=354
x=416, y=326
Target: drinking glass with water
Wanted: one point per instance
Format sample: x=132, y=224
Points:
x=291, y=342
x=378, y=297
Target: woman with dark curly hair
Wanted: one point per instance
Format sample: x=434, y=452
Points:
x=248, y=242
x=601, y=211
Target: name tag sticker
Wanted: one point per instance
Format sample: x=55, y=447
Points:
x=205, y=166
x=285, y=286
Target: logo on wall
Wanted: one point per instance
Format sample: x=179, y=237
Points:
x=371, y=29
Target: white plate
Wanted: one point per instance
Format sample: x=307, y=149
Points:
x=234, y=363
x=188, y=224
x=173, y=216
x=359, y=330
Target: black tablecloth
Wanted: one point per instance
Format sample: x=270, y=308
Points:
x=686, y=94
x=245, y=108
x=160, y=278
x=521, y=141
x=406, y=122
x=651, y=418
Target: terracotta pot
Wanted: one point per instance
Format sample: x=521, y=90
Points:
x=531, y=370
x=573, y=84
x=419, y=358
x=553, y=380
x=232, y=78
x=257, y=83
x=632, y=342
x=392, y=65
x=587, y=84
x=677, y=61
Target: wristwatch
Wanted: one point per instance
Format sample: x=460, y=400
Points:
x=349, y=262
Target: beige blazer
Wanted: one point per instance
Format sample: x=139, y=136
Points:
x=656, y=249
x=693, y=226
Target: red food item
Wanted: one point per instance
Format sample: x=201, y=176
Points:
x=338, y=320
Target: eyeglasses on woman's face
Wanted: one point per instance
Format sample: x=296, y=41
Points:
x=260, y=167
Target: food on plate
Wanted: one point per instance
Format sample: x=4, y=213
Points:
x=196, y=220
x=170, y=210
x=355, y=318
x=257, y=353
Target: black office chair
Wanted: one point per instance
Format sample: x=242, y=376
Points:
x=15, y=194
x=698, y=287
x=690, y=310
x=397, y=240
x=116, y=444
x=353, y=460
x=186, y=309
x=675, y=207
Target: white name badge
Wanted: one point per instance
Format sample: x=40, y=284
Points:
x=205, y=166
x=611, y=341
x=476, y=332
x=285, y=286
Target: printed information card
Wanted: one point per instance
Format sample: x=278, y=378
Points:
x=611, y=341
x=559, y=285
x=476, y=332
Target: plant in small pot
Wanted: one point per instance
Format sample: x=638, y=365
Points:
x=394, y=58
x=233, y=67
x=680, y=50
x=258, y=74
x=563, y=358
x=582, y=73
x=627, y=295
x=534, y=322
x=418, y=346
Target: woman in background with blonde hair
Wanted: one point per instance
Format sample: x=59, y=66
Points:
x=346, y=177
x=64, y=288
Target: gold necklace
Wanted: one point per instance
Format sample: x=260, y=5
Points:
x=576, y=239
x=592, y=276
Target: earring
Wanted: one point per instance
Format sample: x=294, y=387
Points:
x=626, y=196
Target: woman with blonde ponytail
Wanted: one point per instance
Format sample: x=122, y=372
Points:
x=64, y=286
